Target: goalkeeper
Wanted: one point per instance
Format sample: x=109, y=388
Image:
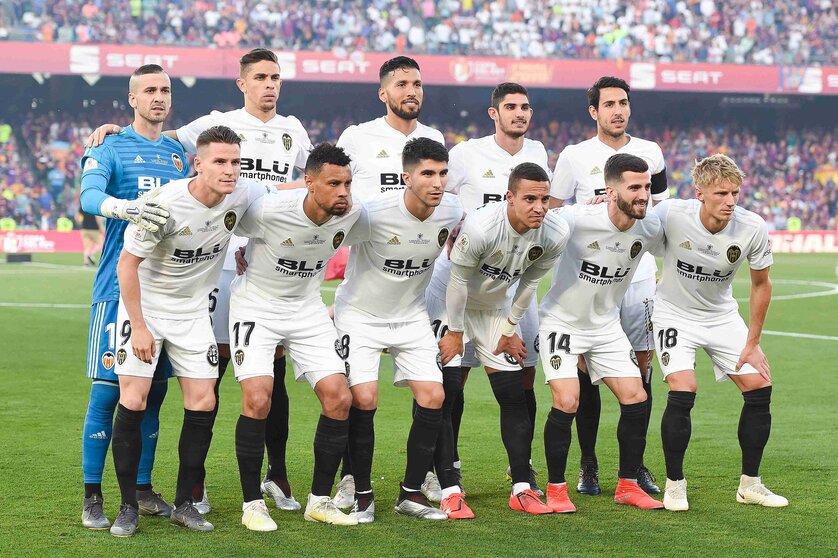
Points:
x=119, y=181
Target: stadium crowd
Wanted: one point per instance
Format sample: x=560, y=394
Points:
x=792, y=175
x=733, y=31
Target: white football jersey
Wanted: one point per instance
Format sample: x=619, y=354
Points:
x=183, y=259
x=375, y=148
x=500, y=255
x=392, y=255
x=287, y=253
x=479, y=169
x=597, y=266
x=699, y=267
x=580, y=172
x=270, y=150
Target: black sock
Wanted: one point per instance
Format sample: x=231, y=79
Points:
x=754, y=428
x=457, y=418
x=198, y=489
x=676, y=428
x=346, y=464
x=195, y=438
x=361, y=446
x=631, y=438
x=329, y=443
x=444, y=452
x=421, y=442
x=557, y=434
x=647, y=387
x=514, y=421
x=127, y=445
x=587, y=418
x=143, y=487
x=91, y=488
x=529, y=397
x=250, y=451
x=276, y=428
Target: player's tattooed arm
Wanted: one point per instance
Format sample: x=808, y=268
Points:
x=142, y=341
x=760, y=298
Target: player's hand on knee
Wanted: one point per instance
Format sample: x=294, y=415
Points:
x=450, y=346
x=241, y=263
x=512, y=345
x=146, y=212
x=754, y=356
x=98, y=136
x=142, y=342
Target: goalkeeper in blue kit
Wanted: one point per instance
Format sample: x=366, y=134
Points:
x=120, y=180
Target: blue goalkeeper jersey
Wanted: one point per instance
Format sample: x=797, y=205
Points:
x=126, y=166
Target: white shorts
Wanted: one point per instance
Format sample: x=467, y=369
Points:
x=607, y=351
x=412, y=345
x=219, y=307
x=483, y=328
x=304, y=328
x=636, y=314
x=189, y=345
x=677, y=339
x=528, y=330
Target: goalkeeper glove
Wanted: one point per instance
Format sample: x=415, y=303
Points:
x=144, y=211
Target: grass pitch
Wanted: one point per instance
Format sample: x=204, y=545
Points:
x=44, y=397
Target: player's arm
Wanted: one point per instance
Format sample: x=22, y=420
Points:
x=759, y=301
x=563, y=185
x=142, y=342
x=456, y=296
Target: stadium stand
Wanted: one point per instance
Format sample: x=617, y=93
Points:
x=733, y=31
x=791, y=175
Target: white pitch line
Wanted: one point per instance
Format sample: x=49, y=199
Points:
x=832, y=289
x=803, y=335
x=40, y=305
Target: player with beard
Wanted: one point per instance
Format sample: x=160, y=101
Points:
x=163, y=278
x=512, y=242
x=479, y=173
x=580, y=317
x=375, y=148
x=579, y=173
x=117, y=183
x=293, y=234
x=272, y=147
x=707, y=240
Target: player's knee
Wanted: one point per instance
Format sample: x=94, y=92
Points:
x=682, y=381
x=633, y=394
x=133, y=400
x=257, y=404
x=566, y=402
x=337, y=403
x=431, y=398
x=364, y=399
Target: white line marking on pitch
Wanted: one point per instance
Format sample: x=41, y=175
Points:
x=803, y=335
x=40, y=305
x=831, y=289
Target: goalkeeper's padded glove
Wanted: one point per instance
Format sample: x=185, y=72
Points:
x=145, y=211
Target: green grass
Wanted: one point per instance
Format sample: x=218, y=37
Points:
x=44, y=396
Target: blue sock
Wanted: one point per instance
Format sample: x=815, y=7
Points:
x=150, y=427
x=96, y=435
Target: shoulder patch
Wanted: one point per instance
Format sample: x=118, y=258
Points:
x=90, y=164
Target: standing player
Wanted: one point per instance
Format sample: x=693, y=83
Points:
x=293, y=234
x=580, y=317
x=375, y=148
x=164, y=278
x=381, y=306
x=272, y=147
x=119, y=181
x=500, y=244
x=479, y=173
x=707, y=240
x=579, y=173
x=92, y=229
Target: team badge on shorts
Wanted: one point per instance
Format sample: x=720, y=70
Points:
x=555, y=361
x=108, y=360
x=121, y=355
x=346, y=365
x=635, y=249
x=287, y=142
x=535, y=253
x=733, y=253
x=536, y=343
x=239, y=356
x=212, y=355
x=509, y=358
x=177, y=162
x=338, y=238
x=439, y=361
x=442, y=236
x=665, y=358
x=230, y=220
x=342, y=347
x=633, y=357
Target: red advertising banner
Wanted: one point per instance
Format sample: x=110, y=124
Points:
x=209, y=63
x=804, y=242
x=13, y=242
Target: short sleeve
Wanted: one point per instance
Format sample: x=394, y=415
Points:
x=760, y=255
x=456, y=169
x=251, y=223
x=345, y=142
x=469, y=247
x=188, y=134
x=360, y=230
x=141, y=242
x=305, y=148
x=97, y=161
x=563, y=185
